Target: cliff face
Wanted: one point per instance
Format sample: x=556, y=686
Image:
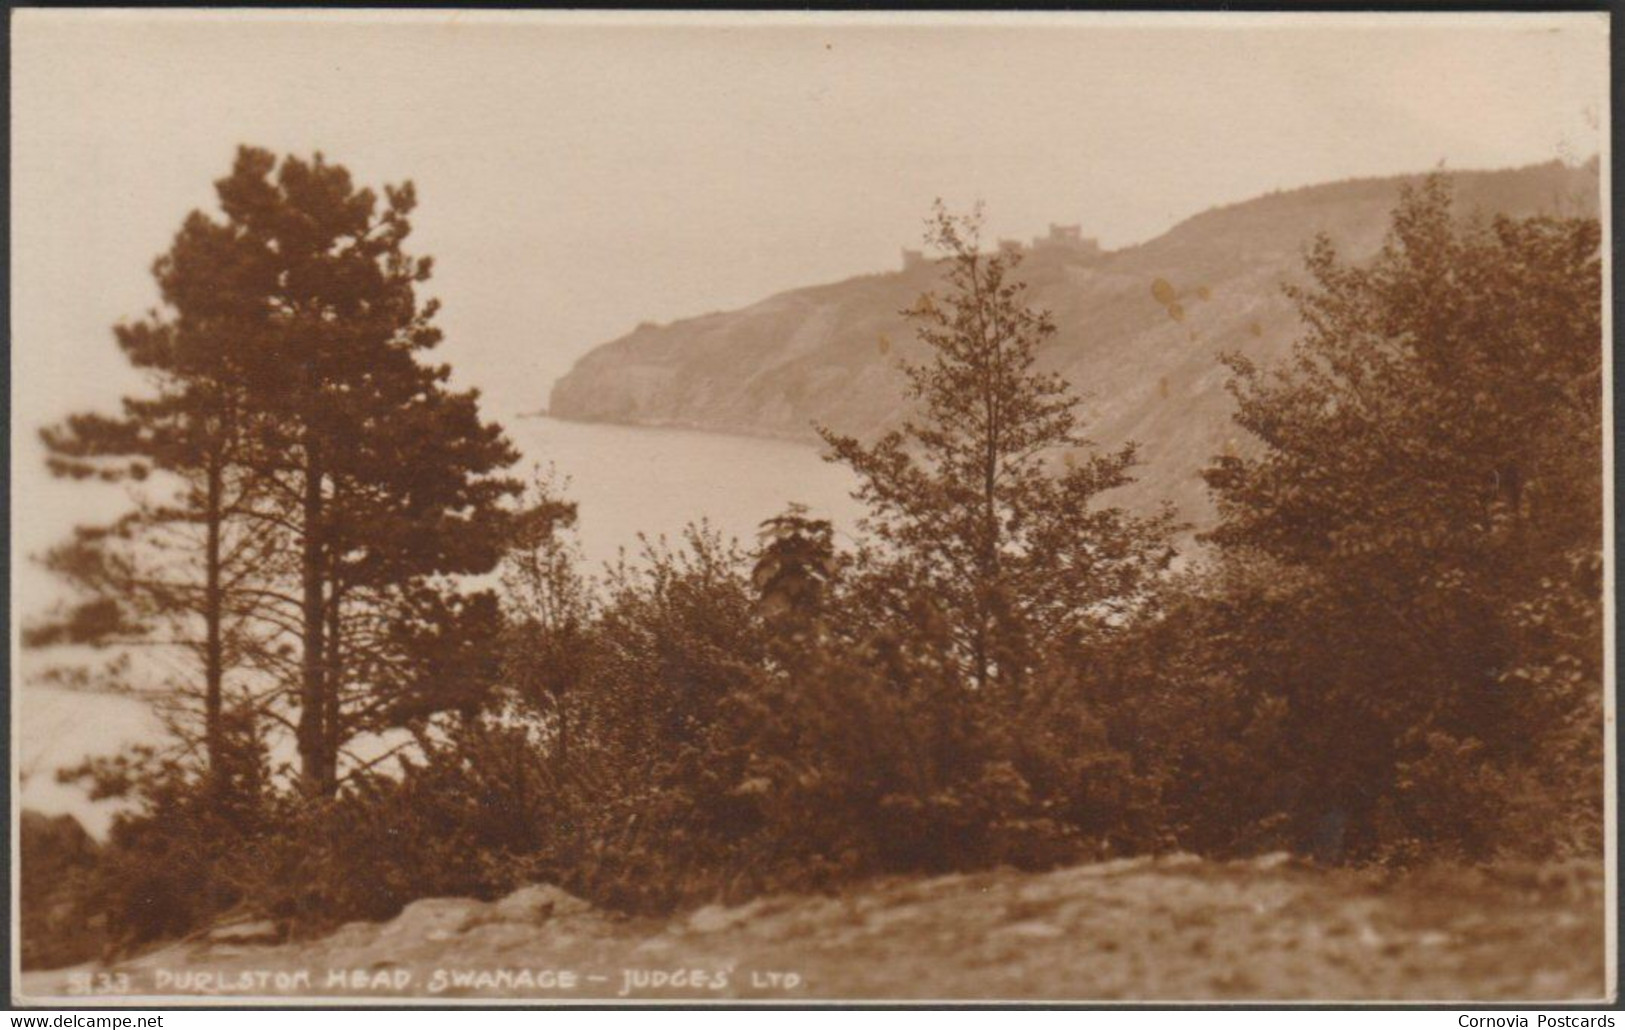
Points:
x=1139, y=330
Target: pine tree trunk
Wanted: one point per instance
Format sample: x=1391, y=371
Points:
x=331, y=730
x=213, y=650
x=313, y=693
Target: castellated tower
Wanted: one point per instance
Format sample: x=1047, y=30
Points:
x=1069, y=238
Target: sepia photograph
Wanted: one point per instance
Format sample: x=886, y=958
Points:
x=544, y=508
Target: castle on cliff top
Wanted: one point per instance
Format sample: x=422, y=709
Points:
x=1068, y=238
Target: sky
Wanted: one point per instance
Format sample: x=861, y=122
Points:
x=578, y=175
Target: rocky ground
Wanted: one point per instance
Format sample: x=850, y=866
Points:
x=1175, y=928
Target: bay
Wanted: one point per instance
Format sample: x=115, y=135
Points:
x=625, y=480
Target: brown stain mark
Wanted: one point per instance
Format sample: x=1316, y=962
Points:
x=1176, y=312
x=1163, y=292
x=1162, y=388
x=1204, y=292
x=884, y=344
x=1256, y=329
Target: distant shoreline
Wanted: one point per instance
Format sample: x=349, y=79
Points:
x=809, y=439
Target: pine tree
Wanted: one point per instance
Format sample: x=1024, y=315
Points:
x=178, y=571
x=332, y=488
x=793, y=573
x=387, y=479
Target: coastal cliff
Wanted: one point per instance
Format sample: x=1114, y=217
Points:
x=1139, y=330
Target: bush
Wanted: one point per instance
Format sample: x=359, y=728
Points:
x=58, y=864
x=462, y=819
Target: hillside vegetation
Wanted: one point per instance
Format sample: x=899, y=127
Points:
x=1149, y=368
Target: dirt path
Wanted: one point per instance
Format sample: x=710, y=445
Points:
x=1170, y=929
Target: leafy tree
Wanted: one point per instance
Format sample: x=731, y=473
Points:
x=1428, y=477
x=549, y=607
x=987, y=500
